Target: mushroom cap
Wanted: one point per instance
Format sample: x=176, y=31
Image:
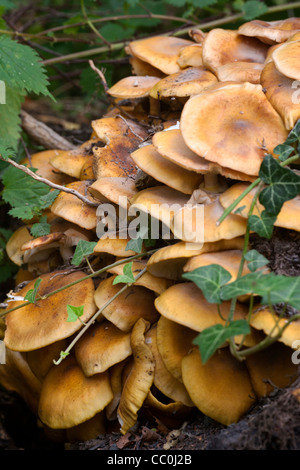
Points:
x=118, y=190
x=141, y=68
x=42, y=161
x=147, y=280
x=187, y=82
x=136, y=302
x=271, y=368
x=69, y=162
x=133, y=87
x=168, y=262
x=269, y=323
x=287, y=217
x=139, y=380
x=196, y=223
x=151, y=162
x=171, y=145
x=279, y=91
x=222, y=46
x=14, y=245
x=174, y=341
x=71, y=208
x=114, y=246
x=286, y=59
x=160, y=51
x=220, y=388
x=190, y=56
x=234, y=125
x=240, y=72
x=101, y=347
x=164, y=381
x=69, y=398
x=173, y=414
x=41, y=360
x=45, y=322
x=271, y=32
x=184, y=303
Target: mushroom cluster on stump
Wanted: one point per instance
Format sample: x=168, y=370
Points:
x=199, y=116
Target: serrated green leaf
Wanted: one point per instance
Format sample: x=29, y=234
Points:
x=209, y=279
x=21, y=68
x=83, y=248
x=22, y=213
x=283, y=185
x=10, y=129
x=41, y=228
x=255, y=260
x=74, y=313
x=214, y=337
x=262, y=225
x=48, y=199
x=32, y=293
x=253, y=9
x=127, y=277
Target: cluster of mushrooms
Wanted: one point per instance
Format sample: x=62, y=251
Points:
x=188, y=129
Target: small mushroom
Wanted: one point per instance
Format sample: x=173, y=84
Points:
x=134, y=87
x=271, y=32
x=190, y=56
x=286, y=59
x=42, y=162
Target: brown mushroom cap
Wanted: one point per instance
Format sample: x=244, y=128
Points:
x=190, y=56
x=286, y=59
x=240, y=72
x=69, y=398
x=42, y=161
x=187, y=82
x=233, y=125
x=69, y=162
x=101, y=347
x=151, y=162
x=271, y=32
x=139, y=380
x=220, y=388
x=287, y=217
x=160, y=51
x=136, y=302
x=14, y=244
x=222, y=46
x=118, y=190
x=71, y=208
x=37, y=325
x=171, y=145
x=279, y=91
x=133, y=87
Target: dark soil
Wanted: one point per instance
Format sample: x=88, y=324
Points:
x=272, y=424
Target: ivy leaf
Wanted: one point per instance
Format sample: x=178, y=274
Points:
x=21, y=68
x=253, y=9
x=294, y=135
x=74, y=313
x=213, y=337
x=283, y=185
x=248, y=284
x=209, y=279
x=127, y=277
x=40, y=228
x=255, y=260
x=83, y=248
x=135, y=244
x=262, y=225
x=32, y=293
x=283, y=151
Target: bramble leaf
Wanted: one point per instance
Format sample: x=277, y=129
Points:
x=209, y=279
x=40, y=228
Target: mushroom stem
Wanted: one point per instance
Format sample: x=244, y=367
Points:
x=94, y=317
x=211, y=182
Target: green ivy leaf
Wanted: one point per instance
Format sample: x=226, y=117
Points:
x=253, y=9
x=294, y=135
x=283, y=151
x=83, y=248
x=255, y=260
x=135, y=244
x=127, y=277
x=74, y=313
x=283, y=185
x=32, y=293
x=209, y=279
x=262, y=225
x=214, y=337
x=248, y=284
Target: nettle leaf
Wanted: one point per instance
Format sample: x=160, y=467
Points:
x=21, y=68
x=209, y=279
x=283, y=185
x=32, y=293
x=83, y=248
x=253, y=9
x=48, y=199
x=215, y=336
x=262, y=225
x=41, y=228
x=74, y=313
x=6, y=149
x=10, y=128
x=127, y=277
x=255, y=260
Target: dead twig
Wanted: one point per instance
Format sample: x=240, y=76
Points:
x=29, y=172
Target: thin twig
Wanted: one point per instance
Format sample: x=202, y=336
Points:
x=29, y=172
